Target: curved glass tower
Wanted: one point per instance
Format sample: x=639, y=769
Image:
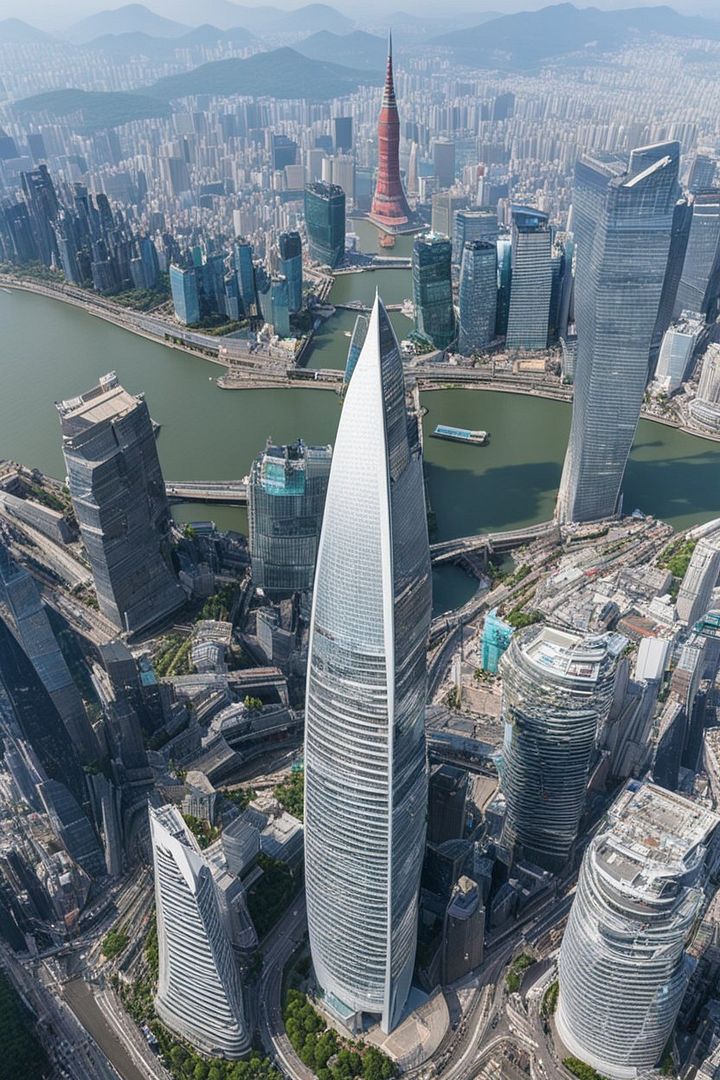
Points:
x=365, y=766
x=199, y=996
x=622, y=968
x=557, y=691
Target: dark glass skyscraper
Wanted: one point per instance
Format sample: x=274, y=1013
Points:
x=185, y=294
x=478, y=295
x=119, y=499
x=700, y=279
x=325, y=222
x=531, y=280
x=623, y=225
x=286, y=497
x=290, y=247
x=432, y=289
x=365, y=767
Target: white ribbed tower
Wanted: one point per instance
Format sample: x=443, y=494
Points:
x=365, y=766
x=199, y=995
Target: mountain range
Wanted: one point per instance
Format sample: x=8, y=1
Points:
x=17, y=32
x=526, y=40
x=155, y=48
x=130, y=19
x=358, y=50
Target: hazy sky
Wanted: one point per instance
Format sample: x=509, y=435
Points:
x=54, y=15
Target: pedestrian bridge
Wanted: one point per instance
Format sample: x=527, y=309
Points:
x=230, y=492
x=447, y=550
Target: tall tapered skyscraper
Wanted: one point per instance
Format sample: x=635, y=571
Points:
x=365, y=771
x=389, y=206
x=623, y=226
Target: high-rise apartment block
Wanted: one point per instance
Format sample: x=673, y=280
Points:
x=623, y=221
x=286, y=497
x=199, y=996
x=118, y=495
x=531, y=280
x=623, y=970
x=365, y=768
x=325, y=222
x=705, y=408
x=477, y=296
x=557, y=692
x=432, y=289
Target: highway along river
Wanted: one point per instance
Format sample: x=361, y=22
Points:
x=50, y=350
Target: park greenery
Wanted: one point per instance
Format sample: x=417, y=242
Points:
x=291, y=794
x=173, y=656
x=114, y=942
x=141, y=299
x=181, y=1060
x=205, y=833
x=328, y=1055
x=240, y=796
x=219, y=606
x=550, y=999
x=676, y=558
x=514, y=977
x=21, y=1054
x=252, y=704
x=269, y=897
x=581, y=1070
x=520, y=619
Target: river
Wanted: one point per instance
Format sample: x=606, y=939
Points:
x=50, y=350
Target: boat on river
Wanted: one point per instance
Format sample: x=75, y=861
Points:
x=461, y=435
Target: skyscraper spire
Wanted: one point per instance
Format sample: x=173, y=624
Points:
x=390, y=207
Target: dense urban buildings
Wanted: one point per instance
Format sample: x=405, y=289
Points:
x=700, y=579
x=617, y=294
x=286, y=496
x=365, y=772
x=622, y=968
x=557, y=692
x=432, y=290
x=199, y=996
x=119, y=499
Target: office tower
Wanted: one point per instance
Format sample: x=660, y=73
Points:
x=496, y=637
x=447, y=794
x=43, y=206
x=557, y=692
x=504, y=255
x=72, y=826
x=16, y=231
x=340, y=170
x=286, y=498
x=443, y=156
x=412, y=170
x=677, y=351
x=342, y=134
x=705, y=408
x=8, y=148
x=290, y=247
x=432, y=290
x=245, y=273
x=530, y=281
x=365, y=772
x=280, y=305
x=477, y=296
x=357, y=341
x=325, y=222
x=283, y=152
x=185, y=294
x=445, y=204
x=472, y=225
x=503, y=106
x=623, y=968
x=22, y=610
x=389, y=207
x=199, y=996
x=618, y=285
x=175, y=175
x=463, y=931
x=700, y=579
x=702, y=173
x=700, y=279
x=119, y=499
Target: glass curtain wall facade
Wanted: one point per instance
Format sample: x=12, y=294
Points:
x=290, y=246
x=623, y=970
x=199, y=996
x=432, y=290
x=700, y=278
x=365, y=765
x=623, y=221
x=118, y=495
x=325, y=222
x=185, y=294
x=557, y=692
x=477, y=296
x=286, y=498
x=530, y=281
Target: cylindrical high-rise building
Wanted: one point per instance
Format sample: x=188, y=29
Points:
x=390, y=207
x=365, y=768
x=557, y=691
x=622, y=968
x=478, y=296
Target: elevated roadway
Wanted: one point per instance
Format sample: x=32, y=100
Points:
x=230, y=492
